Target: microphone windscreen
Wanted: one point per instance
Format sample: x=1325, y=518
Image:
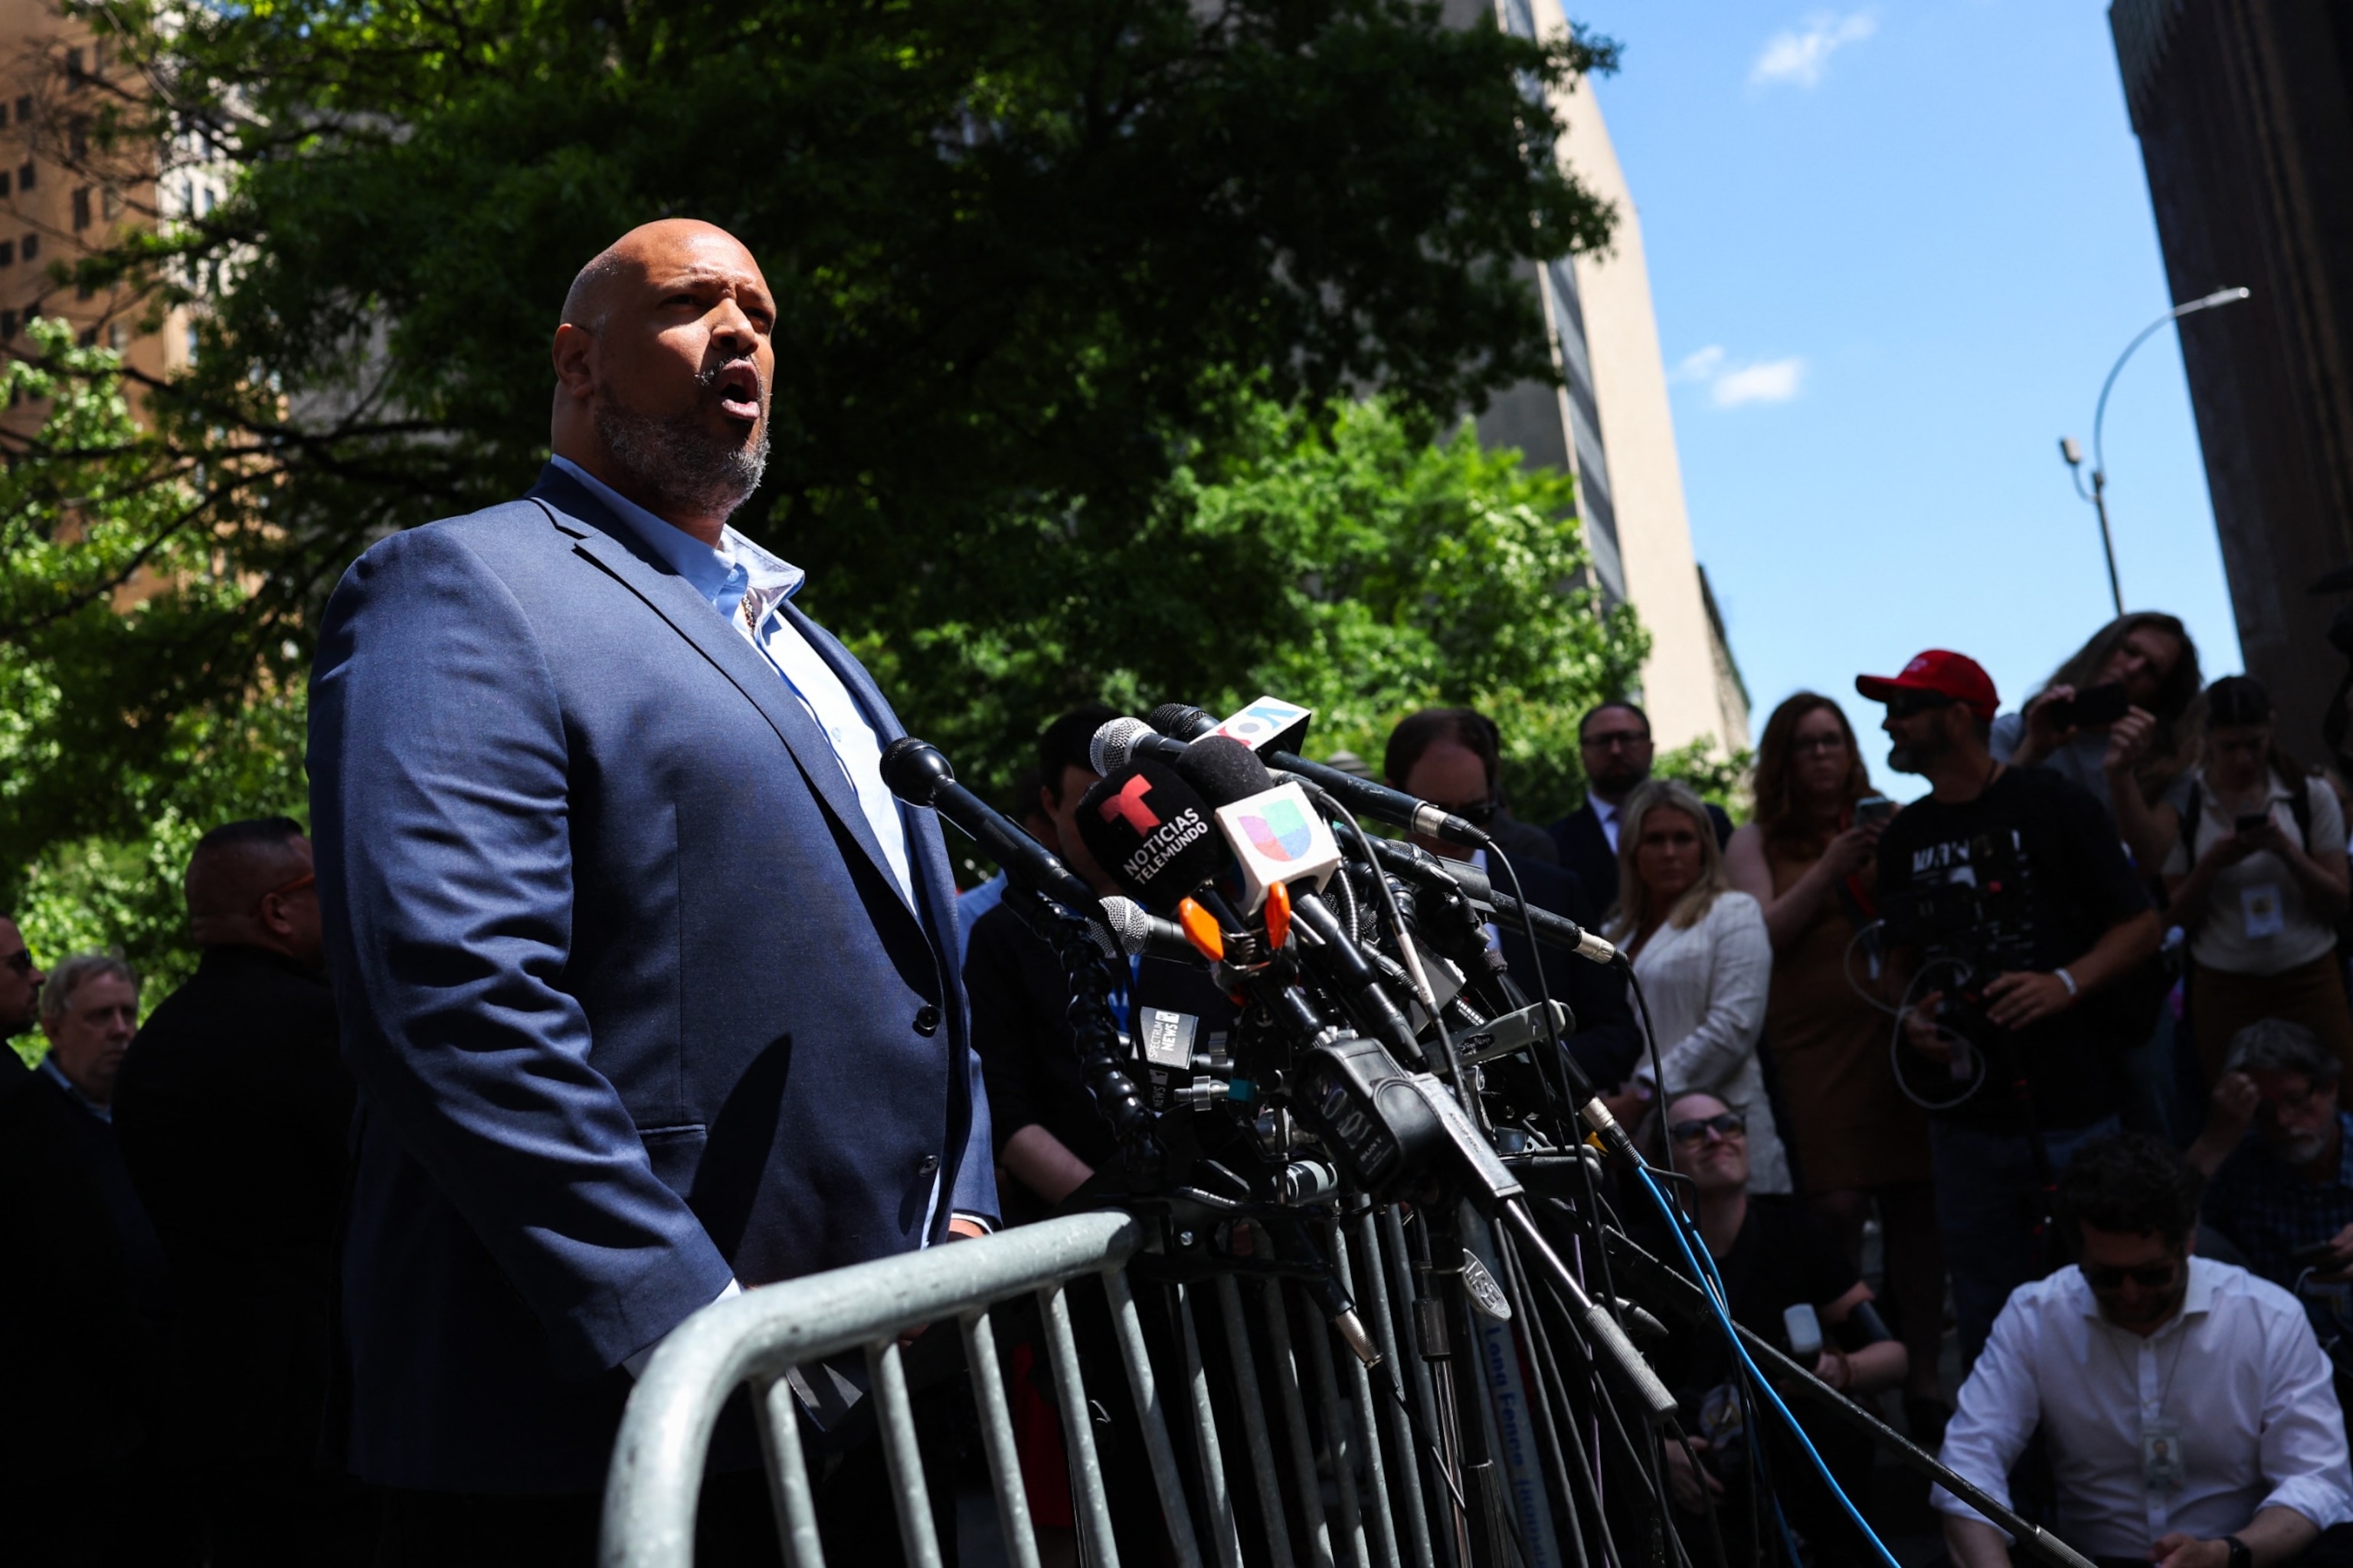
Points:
x=1152, y=834
x=1223, y=772
x=1114, y=743
x=1181, y=720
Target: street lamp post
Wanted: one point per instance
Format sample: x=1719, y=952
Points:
x=2098, y=494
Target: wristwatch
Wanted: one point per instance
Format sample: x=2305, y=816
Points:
x=2241, y=1554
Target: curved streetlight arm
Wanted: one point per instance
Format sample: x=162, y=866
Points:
x=2100, y=414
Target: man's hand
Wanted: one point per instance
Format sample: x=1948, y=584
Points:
x=2340, y=1249
x=1832, y=1367
x=1692, y=1489
x=2179, y=1551
x=2234, y=1100
x=2015, y=1001
x=1920, y=1030
x=2128, y=741
x=962, y=1229
x=1630, y=1104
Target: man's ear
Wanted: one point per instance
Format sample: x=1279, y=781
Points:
x=2190, y=1243
x=573, y=355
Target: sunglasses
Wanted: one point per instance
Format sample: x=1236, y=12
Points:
x=1906, y=704
x=2149, y=1277
x=308, y=879
x=1724, y=1124
x=1477, y=813
x=20, y=961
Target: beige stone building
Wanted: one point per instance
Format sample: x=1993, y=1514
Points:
x=1611, y=424
x=63, y=195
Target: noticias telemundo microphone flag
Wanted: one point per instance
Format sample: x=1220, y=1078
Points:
x=1152, y=834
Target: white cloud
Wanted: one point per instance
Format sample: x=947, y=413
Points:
x=1799, y=57
x=1730, y=386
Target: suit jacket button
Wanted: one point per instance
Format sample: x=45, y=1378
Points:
x=927, y=1020
x=927, y=1164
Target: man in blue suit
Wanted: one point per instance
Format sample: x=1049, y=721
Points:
x=648, y=983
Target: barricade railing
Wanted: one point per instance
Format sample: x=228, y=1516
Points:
x=1359, y=1454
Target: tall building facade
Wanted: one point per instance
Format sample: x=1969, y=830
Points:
x=1609, y=423
x=2244, y=111
x=63, y=195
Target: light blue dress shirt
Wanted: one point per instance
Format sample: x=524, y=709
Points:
x=740, y=573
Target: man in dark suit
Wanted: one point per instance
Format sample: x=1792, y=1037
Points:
x=234, y=1109
x=88, y=1466
x=1451, y=758
x=1613, y=741
x=647, y=980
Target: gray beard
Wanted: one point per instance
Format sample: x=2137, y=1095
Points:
x=1915, y=759
x=678, y=463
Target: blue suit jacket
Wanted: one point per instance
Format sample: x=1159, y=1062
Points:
x=631, y=997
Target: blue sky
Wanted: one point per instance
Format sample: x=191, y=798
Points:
x=1893, y=249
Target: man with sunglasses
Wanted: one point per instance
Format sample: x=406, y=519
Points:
x=1453, y=758
x=233, y=1108
x=2184, y=1404
x=2013, y=918
x=20, y=986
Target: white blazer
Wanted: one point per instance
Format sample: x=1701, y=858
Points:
x=1704, y=990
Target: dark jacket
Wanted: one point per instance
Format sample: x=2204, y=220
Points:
x=85, y=1313
x=234, y=1111
x=1585, y=849
x=632, y=998
x=1608, y=1041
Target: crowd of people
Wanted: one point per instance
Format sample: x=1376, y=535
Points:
x=621, y=982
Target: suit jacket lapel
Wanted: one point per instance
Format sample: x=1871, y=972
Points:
x=927, y=853
x=601, y=537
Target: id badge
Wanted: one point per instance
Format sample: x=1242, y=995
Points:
x=2259, y=907
x=2161, y=1469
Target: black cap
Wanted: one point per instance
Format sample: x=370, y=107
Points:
x=1223, y=770
x=1152, y=834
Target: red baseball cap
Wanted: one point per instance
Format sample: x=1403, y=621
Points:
x=1948, y=675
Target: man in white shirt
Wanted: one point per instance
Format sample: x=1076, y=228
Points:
x=2186, y=1407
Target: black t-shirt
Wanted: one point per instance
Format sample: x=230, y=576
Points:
x=1020, y=1001
x=2028, y=877
x=1783, y=1257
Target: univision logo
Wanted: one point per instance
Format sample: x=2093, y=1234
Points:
x=1280, y=832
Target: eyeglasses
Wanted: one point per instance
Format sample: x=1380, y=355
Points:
x=20, y=961
x=1616, y=740
x=2148, y=1277
x=1906, y=704
x=1724, y=1124
x=1824, y=744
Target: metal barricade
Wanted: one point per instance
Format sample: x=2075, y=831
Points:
x=1359, y=1452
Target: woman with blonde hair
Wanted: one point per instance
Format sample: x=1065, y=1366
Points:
x=1701, y=961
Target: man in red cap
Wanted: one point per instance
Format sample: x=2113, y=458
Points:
x=2019, y=933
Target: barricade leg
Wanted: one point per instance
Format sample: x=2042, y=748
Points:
x=1205, y=1433
x=1294, y=1416
x=1149, y=1415
x=789, y=1483
x=996, y=1441
x=1078, y=1430
x=902, y=1455
x=1392, y=1374
x=1254, y=1427
x=1368, y=1434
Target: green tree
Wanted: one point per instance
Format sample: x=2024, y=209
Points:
x=109, y=769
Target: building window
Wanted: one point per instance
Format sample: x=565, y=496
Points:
x=87, y=337
x=32, y=246
x=7, y=253
x=3, y=182
x=7, y=324
x=74, y=76
x=24, y=110
x=25, y=176
x=81, y=207
x=84, y=290
x=110, y=203
x=117, y=337
x=78, y=137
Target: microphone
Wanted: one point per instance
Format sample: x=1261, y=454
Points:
x=1122, y=740
x=1274, y=831
x=1152, y=834
x=1545, y=927
x=918, y=774
x=1184, y=721
x=1140, y=934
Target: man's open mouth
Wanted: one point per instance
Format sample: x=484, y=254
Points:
x=737, y=383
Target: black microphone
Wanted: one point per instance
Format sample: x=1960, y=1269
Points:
x=1554, y=930
x=1223, y=770
x=1152, y=834
x=918, y=774
x=1182, y=721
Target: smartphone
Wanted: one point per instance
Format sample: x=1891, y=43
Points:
x=2252, y=823
x=1872, y=808
x=2313, y=1257
x=2094, y=707
x=1805, y=1333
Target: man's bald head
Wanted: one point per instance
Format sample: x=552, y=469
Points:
x=247, y=886
x=663, y=367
